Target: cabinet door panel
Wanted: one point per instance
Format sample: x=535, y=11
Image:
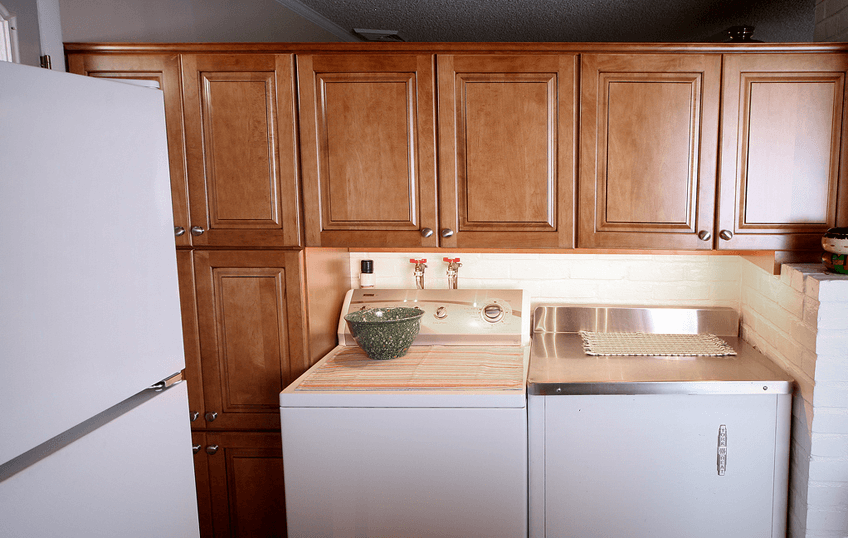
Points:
x=246, y=479
x=649, y=128
x=240, y=136
x=201, y=476
x=367, y=132
x=506, y=135
x=165, y=70
x=248, y=306
x=781, y=144
x=191, y=344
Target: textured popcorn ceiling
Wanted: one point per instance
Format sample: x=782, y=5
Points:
x=571, y=20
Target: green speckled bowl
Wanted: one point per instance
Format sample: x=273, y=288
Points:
x=385, y=333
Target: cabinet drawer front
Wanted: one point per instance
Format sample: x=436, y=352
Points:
x=649, y=127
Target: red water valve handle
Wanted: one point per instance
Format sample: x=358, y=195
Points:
x=449, y=260
x=413, y=260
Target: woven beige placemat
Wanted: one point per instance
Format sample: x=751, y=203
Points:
x=664, y=345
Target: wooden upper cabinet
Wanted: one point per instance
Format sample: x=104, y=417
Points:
x=368, y=149
x=241, y=149
x=250, y=323
x=506, y=150
x=783, y=150
x=648, y=150
x=165, y=70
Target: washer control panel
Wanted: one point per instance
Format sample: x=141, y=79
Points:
x=451, y=317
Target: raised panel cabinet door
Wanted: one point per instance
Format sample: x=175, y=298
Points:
x=241, y=149
x=506, y=150
x=251, y=337
x=163, y=69
x=246, y=481
x=782, y=181
x=368, y=149
x=648, y=150
x=191, y=342
x=201, y=478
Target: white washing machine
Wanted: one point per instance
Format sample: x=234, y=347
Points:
x=432, y=444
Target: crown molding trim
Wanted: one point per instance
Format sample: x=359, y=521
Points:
x=316, y=18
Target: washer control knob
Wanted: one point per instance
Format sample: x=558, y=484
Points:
x=493, y=313
x=441, y=313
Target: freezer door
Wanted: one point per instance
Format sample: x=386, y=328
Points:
x=132, y=477
x=88, y=280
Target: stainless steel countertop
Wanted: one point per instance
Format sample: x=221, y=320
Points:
x=559, y=366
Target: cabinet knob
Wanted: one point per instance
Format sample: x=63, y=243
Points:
x=727, y=235
x=705, y=235
x=197, y=230
x=178, y=231
x=426, y=232
x=194, y=415
x=211, y=449
x=195, y=449
x=446, y=232
x=211, y=416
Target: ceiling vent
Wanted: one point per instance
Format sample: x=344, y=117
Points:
x=377, y=35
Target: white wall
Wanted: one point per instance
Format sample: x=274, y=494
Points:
x=27, y=28
x=181, y=21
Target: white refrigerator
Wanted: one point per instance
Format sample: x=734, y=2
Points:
x=93, y=440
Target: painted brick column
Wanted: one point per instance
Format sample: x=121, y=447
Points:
x=800, y=320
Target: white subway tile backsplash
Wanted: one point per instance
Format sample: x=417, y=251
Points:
x=654, y=271
x=600, y=269
x=803, y=335
x=791, y=300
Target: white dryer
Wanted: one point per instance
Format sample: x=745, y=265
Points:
x=432, y=444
